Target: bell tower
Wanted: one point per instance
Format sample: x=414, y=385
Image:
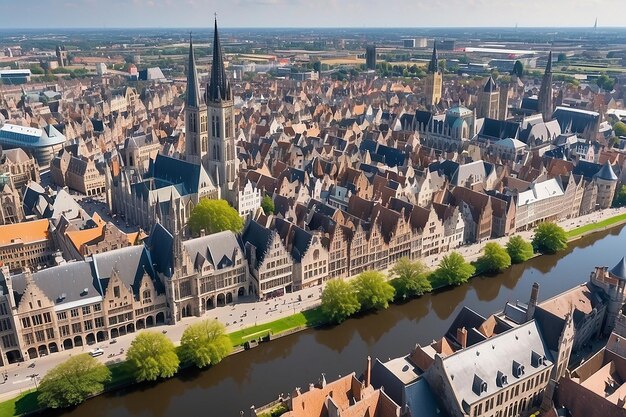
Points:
x=434, y=80
x=196, y=131
x=222, y=163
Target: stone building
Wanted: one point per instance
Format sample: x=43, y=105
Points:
x=81, y=174
x=11, y=210
x=433, y=83
x=489, y=100
x=18, y=167
x=26, y=245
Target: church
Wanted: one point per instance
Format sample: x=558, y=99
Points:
x=171, y=187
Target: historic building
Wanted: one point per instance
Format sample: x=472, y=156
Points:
x=26, y=245
x=18, y=167
x=433, y=83
x=545, y=99
x=489, y=100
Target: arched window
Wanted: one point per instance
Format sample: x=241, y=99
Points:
x=316, y=254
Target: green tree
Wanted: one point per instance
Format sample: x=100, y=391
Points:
x=452, y=270
x=214, y=216
x=339, y=301
x=518, y=69
x=620, y=197
x=205, y=343
x=519, y=250
x=562, y=57
x=605, y=82
x=153, y=356
x=549, y=238
x=410, y=278
x=267, y=204
x=373, y=291
x=71, y=382
x=619, y=128
x=494, y=258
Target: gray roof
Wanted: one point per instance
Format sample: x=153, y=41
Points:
x=130, y=262
x=64, y=284
x=606, y=172
x=619, y=270
x=218, y=248
x=483, y=363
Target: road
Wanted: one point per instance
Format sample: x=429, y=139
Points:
x=244, y=314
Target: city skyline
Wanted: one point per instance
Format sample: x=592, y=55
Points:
x=289, y=14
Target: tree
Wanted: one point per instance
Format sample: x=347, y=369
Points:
x=452, y=270
x=205, y=343
x=267, y=204
x=373, y=291
x=410, y=278
x=214, y=216
x=605, y=82
x=519, y=250
x=619, y=128
x=72, y=382
x=153, y=356
x=562, y=57
x=518, y=69
x=339, y=301
x=494, y=258
x=549, y=238
x=620, y=197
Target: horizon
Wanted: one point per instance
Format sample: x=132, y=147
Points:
x=296, y=14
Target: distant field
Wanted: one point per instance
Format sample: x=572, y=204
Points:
x=579, y=68
x=342, y=61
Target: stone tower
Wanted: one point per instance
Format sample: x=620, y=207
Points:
x=489, y=100
x=196, y=130
x=606, y=182
x=546, y=107
x=222, y=161
x=616, y=295
x=434, y=80
x=61, y=53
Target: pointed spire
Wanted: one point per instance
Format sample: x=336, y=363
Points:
x=433, y=65
x=549, y=64
x=219, y=88
x=193, y=88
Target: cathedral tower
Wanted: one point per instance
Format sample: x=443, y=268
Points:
x=222, y=163
x=196, y=130
x=489, y=100
x=434, y=80
x=546, y=107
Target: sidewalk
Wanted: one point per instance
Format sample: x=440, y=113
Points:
x=236, y=317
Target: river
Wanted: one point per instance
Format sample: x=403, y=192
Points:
x=257, y=376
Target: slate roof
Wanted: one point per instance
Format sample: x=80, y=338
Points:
x=218, y=88
x=575, y=120
x=173, y=171
x=500, y=128
x=619, y=270
x=587, y=169
x=258, y=236
x=161, y=246
x=130, y=262
x=217, y=248
x=484, y=362
x=193, y=88
x=490, y=85
x=606, y=172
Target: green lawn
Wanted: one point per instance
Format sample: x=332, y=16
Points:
x=307, y=318
x=596, y=226
x=22, y=404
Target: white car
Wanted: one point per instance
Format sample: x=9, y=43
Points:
x=96, y=352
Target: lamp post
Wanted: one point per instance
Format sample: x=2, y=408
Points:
x=34, y=378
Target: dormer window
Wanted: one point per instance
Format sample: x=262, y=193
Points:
x=518, y=369
x=536, y=359
x=479, y=385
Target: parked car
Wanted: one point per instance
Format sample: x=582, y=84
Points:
x=96, y=352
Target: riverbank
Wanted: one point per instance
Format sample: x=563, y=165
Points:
x=287, y=324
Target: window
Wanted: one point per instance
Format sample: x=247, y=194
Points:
x=47, y=318
x=40, y=336
x=26, y=322
x=8, y=341
x=99, y=322
x=116, y=291
x=64, y=330
x=37, y=320
x=62, y=315
x=28, y=338
x=97, y=307
x=50, y=333
x=5, y=324
x=86, y=310
x=76, y=328
x=3, y=309
x=88, y=325
x=74, y=312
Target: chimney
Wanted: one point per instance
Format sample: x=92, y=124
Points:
x=461, y=337
x=532, y=303
x=368, y=372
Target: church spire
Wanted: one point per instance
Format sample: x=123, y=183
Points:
x=193, y=88
x=219, y=88
x=549, y=64
x=433, y=65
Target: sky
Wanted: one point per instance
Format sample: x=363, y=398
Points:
x=308, y=13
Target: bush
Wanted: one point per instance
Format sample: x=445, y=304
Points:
x=214, y=216
x=268, y=205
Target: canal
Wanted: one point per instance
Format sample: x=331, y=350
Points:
x=257, y=376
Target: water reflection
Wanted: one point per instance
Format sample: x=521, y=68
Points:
x=258, y=376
